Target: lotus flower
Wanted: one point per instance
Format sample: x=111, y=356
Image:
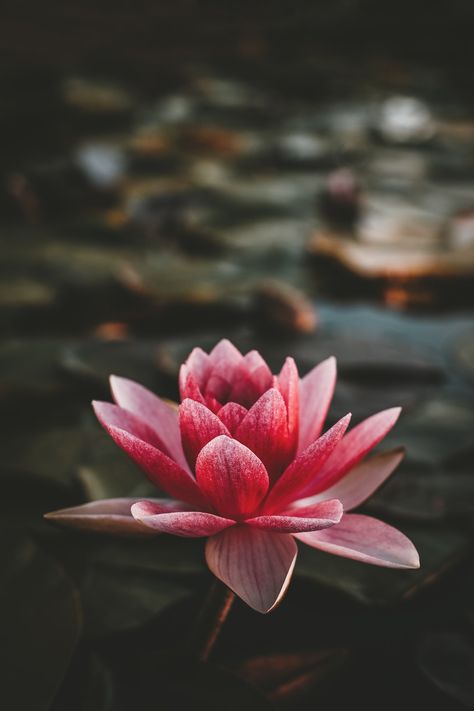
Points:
x=244, y=463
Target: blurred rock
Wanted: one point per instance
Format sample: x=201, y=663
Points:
x=404, y=120
x=279, y=306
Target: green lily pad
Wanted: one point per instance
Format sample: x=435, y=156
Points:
x=41, y=623
x=439, y=548
x=118, y=599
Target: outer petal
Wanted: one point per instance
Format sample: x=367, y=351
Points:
x=305, y=468
x=289, y=384
x=232, y=415
x=366, y=539
x=310, y=518
x=256, y=565
x=353, y=448
x=106, y=516
x=151, y=409
x=316, y=391
x=110, y=415
x=361, y=482
x=233, y=478
x=198, y=426
x=264, y=430
x=161, y=470
x=251, y=379
x=189, y=524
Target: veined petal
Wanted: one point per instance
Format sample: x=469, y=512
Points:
x=224, y=360
x=232, y=477
x=160, y=469
x=198, y=363
x=189, y=386
x=256, y=565
x=151, y=409
x=353, y=448
x=110, y=415
x=186, y=523
x=264, y=430
x=232, y=415
x=316, y=391
x=361, y=482
x=252, y=378
x=365, y=539
x=305, y=468
x=310, y=518
x=198, y=426
x=106, y=516
x=289, y=385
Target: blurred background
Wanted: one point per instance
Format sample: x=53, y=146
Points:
x=298, y=177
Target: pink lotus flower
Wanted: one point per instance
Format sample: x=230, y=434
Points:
x=246, y=465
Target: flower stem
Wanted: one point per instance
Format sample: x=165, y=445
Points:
x=210, y=620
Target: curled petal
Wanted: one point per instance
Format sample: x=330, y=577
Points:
x=160, y=469
x=289, y=385
x=232, y=415
x=189, y=386
x=198, y=426
x=361, y=482
x=305, y=467
x=224, y=360
x=189, y=524
x=232, y=477
x=365, y=539
x=264, y=430
x=198, y=363
x=256, y=565
x=151, y=409
x=353, y=448
x=310, y=518
x=107, y=516
x=251, y=379
x=316, y=391
x=110, y=415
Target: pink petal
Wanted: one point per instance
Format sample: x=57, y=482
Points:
x=316, y=391
x=305, y=468
x=189, y=524
x=353, y=448
x=160, y=469
x=256, y=565
x=224, y=360
x=189, y=386
x=114, y=416
x=264, y=430
x=198, y=426
x=289, y=385
x=362, y=481
x=232, y=415
x=106, y=516
x=198, y=364
x=225, y=353
x=232, y=477
x=251, y=379
x=152, y=410
x=310, y=518
x=366, y=539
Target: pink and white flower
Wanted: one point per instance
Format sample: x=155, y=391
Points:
x=244, y=463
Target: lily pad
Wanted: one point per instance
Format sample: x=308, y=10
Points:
x=447, y=659
x=119, y=599
x=41, y=623
x=439, y=548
